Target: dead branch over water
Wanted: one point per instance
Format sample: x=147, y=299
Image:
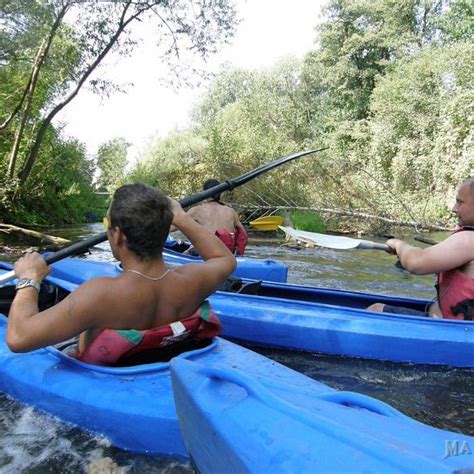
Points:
x=348, y=213
x=43, y=238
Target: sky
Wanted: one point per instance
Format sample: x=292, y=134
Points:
x=269, y=30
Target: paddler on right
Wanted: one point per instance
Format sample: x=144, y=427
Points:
x=452, y=260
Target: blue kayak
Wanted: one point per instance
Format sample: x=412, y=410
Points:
x=131, y=406
x=253, y=268
x=235, y=422
x=134, y=406
x=323, y=320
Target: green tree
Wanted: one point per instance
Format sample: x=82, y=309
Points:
x=62, y=193
x=389, y=88
x=50, y=50
x=246, y=118
x=379, y=82
x=111, y=161
x=174, y=164
x=457, y=24
x=422, y=129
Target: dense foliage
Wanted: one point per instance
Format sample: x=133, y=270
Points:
x=389, y=88
x=48, y=51
x=111, y=161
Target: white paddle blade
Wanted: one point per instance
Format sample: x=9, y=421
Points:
x=323, y=240
x=333, y=241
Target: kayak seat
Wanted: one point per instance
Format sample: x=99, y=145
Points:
x=151, y=356
x=162, y=354
x=236, y=285
x=49, y=295
x=250, y=288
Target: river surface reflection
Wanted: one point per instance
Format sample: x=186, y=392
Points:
x=440, y=396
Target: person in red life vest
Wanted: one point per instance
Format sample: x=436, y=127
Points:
x=145, y=296
x=452, y=260
x=221, y=220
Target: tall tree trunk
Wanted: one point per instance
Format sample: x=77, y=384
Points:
x=30, y=90
x=9, y=119
x=33, y=153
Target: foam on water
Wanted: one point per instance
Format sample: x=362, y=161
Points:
x=33, y=442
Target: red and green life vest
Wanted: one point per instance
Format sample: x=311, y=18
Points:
x=112, y=345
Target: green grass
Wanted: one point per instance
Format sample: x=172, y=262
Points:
x=309, y=221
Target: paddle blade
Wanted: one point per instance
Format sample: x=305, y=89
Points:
x=323, y=240
x=333, y=241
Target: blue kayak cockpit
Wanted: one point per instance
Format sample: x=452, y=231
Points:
x=146, y=368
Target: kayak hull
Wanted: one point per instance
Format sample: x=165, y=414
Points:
x=342, y=330
x=233, y=422
x=132, y=407
x=323, y=320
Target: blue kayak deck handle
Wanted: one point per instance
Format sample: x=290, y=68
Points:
x=373, y=445
x=262, y=393
x=357, y=400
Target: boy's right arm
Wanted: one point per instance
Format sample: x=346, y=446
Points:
x=219, y=262
x=89, y=306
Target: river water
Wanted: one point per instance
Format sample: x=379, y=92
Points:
x=440, y=396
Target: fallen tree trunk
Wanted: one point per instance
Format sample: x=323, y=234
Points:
x=50, y=239
x=357, y=215
x=386, y=220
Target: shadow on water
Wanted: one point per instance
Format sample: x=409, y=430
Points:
x=439, y=396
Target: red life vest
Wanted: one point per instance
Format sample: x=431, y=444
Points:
x=112, y=345
x=235, y=242
x=456, y=292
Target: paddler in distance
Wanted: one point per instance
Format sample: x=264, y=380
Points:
x=221, y=220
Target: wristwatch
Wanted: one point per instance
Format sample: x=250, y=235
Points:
x=27, y=282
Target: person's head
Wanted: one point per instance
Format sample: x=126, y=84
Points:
x=144, y=216
x=210, y=183
x=464, y=206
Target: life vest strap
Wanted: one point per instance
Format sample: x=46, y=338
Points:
x=465, y=307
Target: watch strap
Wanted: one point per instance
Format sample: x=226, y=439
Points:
x=26, y=283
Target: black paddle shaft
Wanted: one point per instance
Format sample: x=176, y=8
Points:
x=228, y=185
